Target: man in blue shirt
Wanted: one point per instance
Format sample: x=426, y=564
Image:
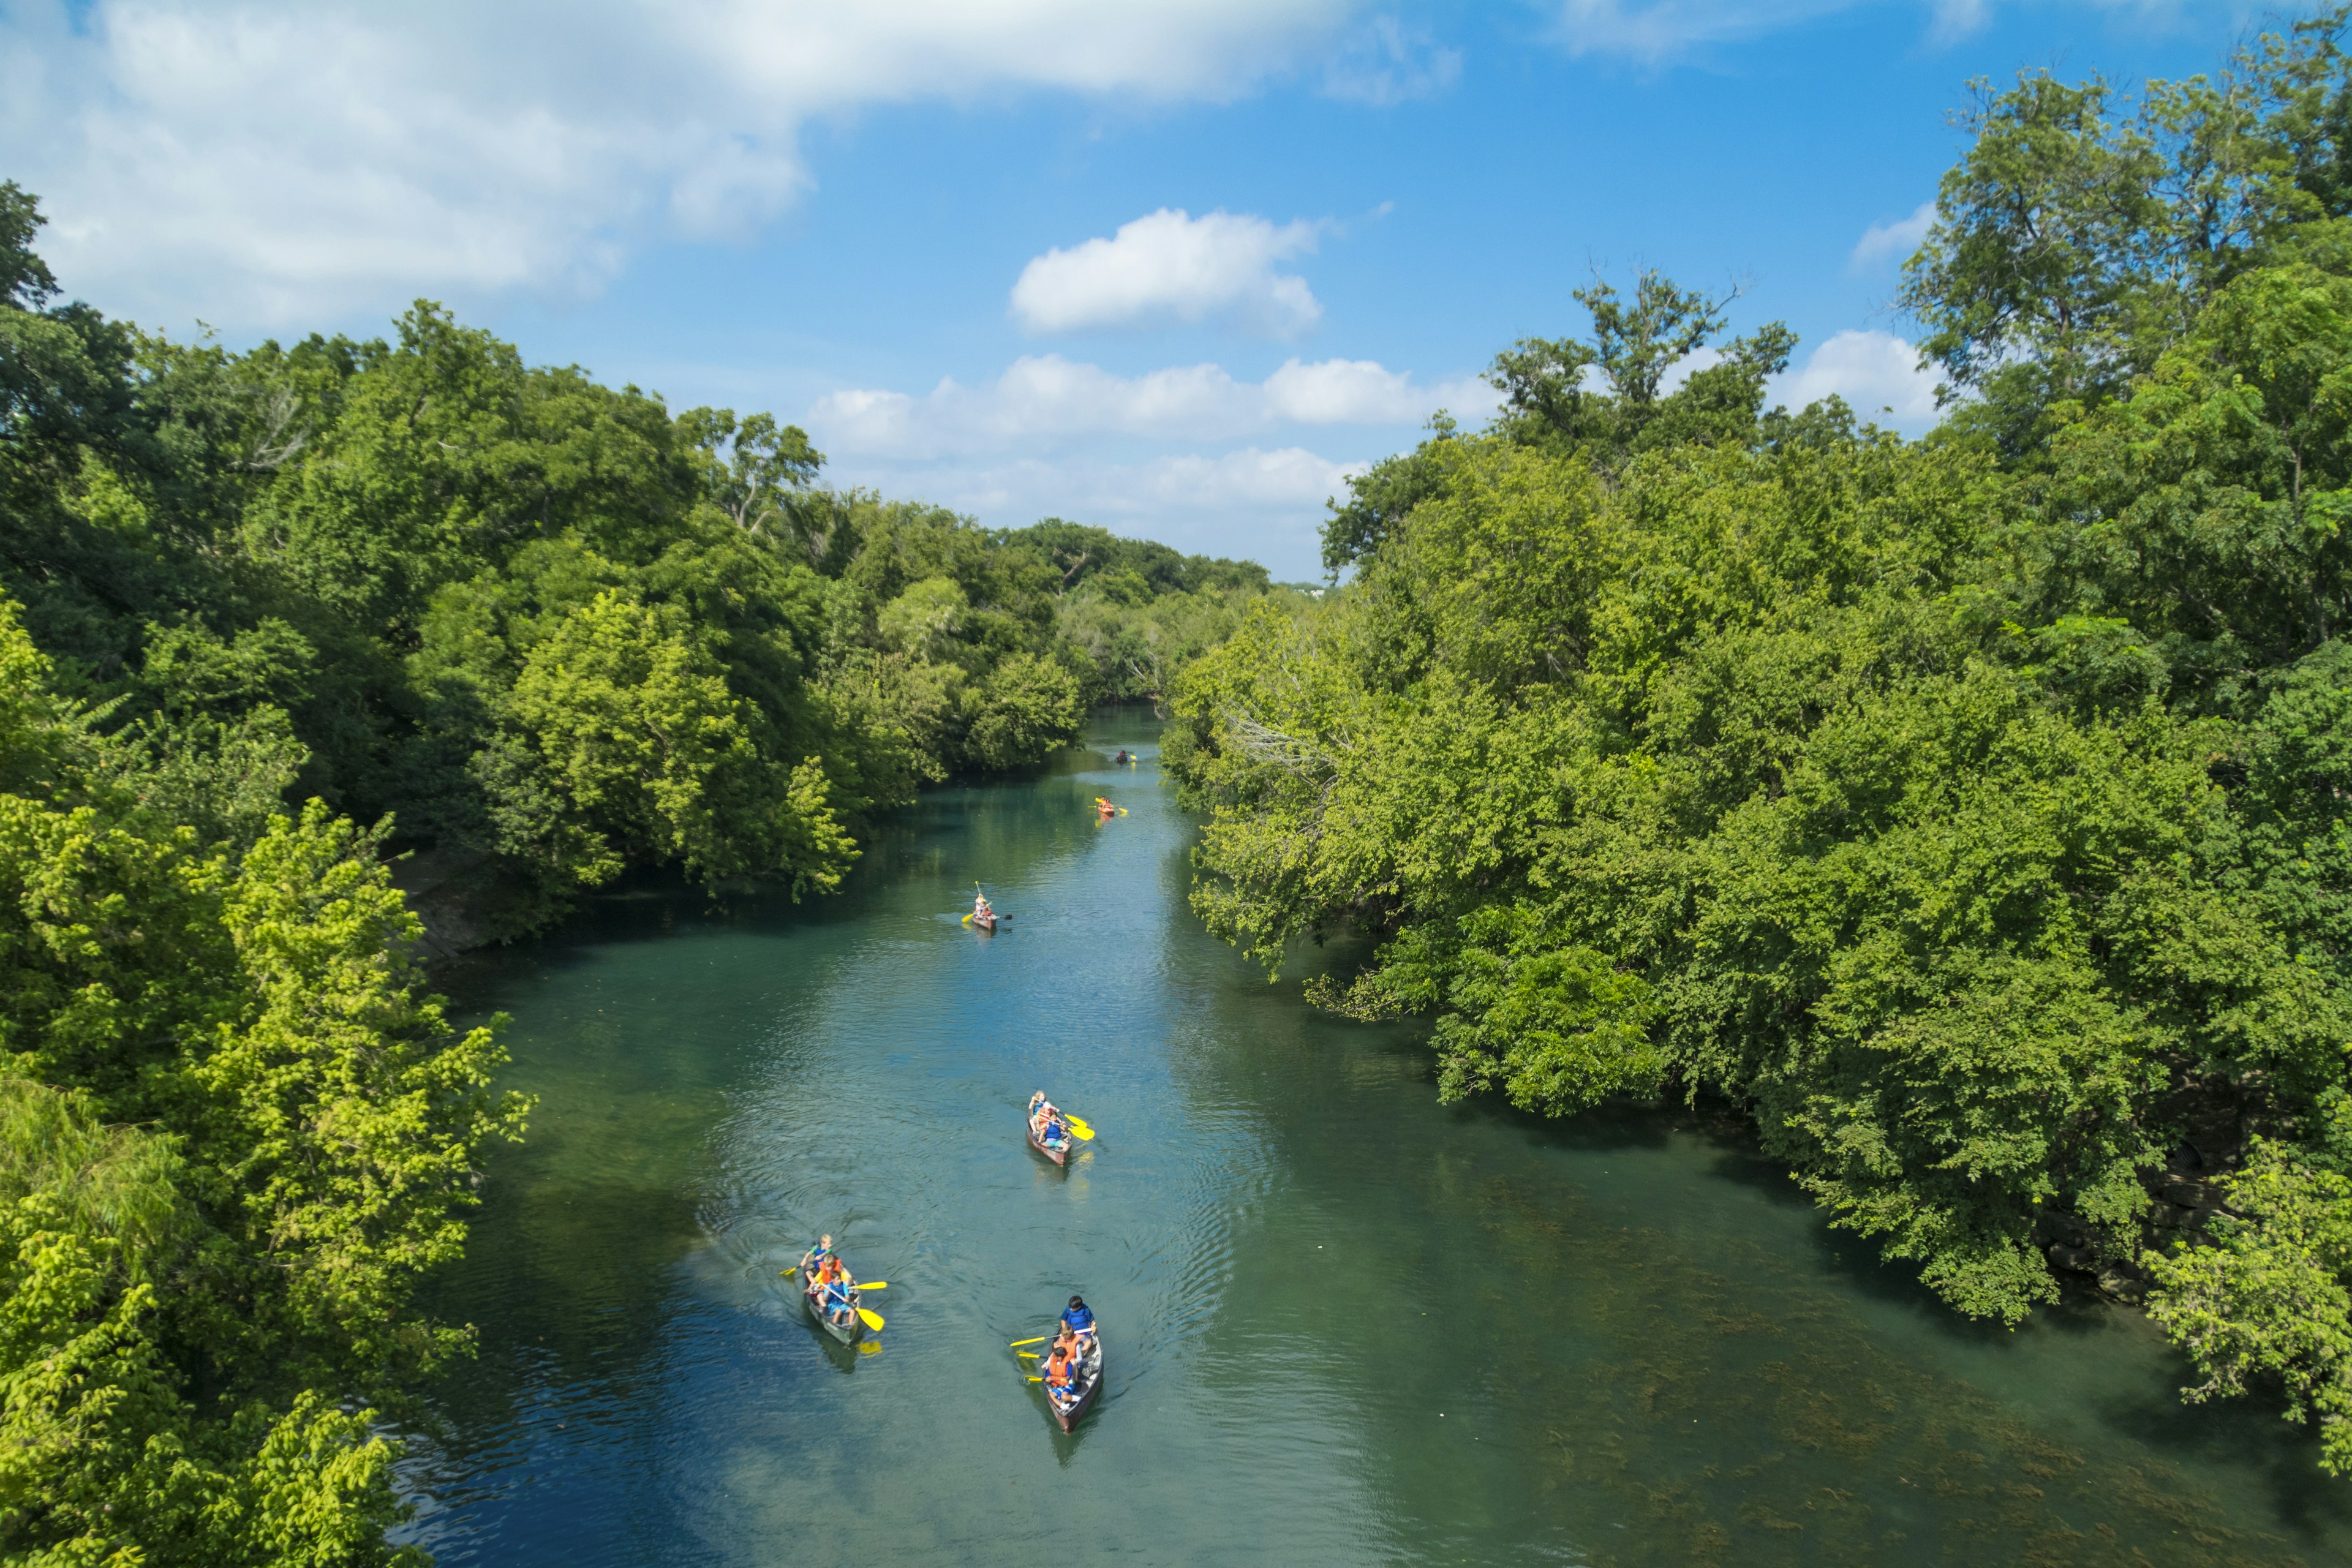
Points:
x=1079, y=1318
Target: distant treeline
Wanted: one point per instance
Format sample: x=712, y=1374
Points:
x=524, y=615
x=267, y=620
x=1975, y=812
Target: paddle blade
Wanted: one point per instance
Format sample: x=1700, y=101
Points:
x=1036, y=1379
x=967, y=919
x=873, y=1320
x=1028, y=1355
x=1040, y=1340
x=1085, y=1134
x=786, y=1273
x=875, y=1285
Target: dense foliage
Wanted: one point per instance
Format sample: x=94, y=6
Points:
x=1973, y=811
x=233, y=1136
x=535, y=627
x=541, y=623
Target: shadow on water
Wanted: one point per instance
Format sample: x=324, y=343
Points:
x=1354, y=1325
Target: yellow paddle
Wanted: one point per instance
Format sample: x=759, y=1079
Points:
x=1028, y=1355
x=1079, y=1125
x=873, y=1320
x=1040, y=1340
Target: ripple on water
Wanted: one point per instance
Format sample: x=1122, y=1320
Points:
x=1647, y=1349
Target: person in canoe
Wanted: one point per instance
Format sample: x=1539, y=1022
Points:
x=814, y=1259
x=1104, y=810
x=1062, y=1376
x=1046, y=1122
x=1073, y=1374
x=982, y=913
x=1122, y=755
x=1078, y=1319
x=837, y=1288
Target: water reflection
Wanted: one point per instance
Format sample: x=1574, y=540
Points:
x=1349, y=1324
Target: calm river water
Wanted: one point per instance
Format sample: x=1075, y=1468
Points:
x=1345, y=1325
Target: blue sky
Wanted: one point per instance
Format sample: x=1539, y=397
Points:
x=1174, y=268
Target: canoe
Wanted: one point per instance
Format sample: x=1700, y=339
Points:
x=986, y=921
x=846, y=1332
x=1090, y=1381
x=1059, y=1156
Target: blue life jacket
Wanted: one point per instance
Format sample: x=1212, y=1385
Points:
x=1080, y=1320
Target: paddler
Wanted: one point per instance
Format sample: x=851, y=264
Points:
x=1079, y=1318
x=1046, y=1122
x=980, y=912
x=838, y=1285
x=1061, y=1375
x=815, y=1256
x=1122, y=755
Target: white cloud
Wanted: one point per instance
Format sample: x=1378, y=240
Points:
x=269, y=162
x=1660, y=29
x=1169, y=265
x=1883, y=242
x=1044, y=400
x=1958, y=19
x=1387, y=63
x=1872, y=371
x=1654, y=31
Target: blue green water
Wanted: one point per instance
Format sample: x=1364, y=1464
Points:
x=1344, y=1324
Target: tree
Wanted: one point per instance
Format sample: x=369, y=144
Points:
x=233, y=1136
x=757, y=472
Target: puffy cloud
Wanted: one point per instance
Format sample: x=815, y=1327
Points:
x=1169, y=265
x=1044, y=400
x=272, y=161
x=1883, y=242
x=1872, y=371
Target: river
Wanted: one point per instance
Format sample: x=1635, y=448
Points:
x=1344, y=1324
